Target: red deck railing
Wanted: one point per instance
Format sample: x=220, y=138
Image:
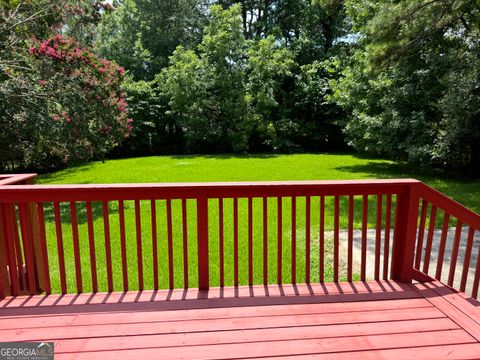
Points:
x=41, y=245
x=445, y=211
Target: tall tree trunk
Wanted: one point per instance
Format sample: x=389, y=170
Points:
x=244, y=17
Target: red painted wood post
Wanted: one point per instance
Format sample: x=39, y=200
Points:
x=202, y=242
x=405, y=234
x=37, y=236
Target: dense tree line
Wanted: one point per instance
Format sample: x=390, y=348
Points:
x=391, y=78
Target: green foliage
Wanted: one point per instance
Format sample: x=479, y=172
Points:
x=141, y=34
x=182, y=84
x=413, y=81
x=119, y=38
x=400, y=78
x=59, y=103
x=224, y=97
x=267, y=66
x=232, y=84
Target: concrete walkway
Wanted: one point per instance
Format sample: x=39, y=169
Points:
x=370, y=269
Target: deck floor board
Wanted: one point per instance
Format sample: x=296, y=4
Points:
x=367, y=320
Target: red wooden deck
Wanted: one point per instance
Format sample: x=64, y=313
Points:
x=362, y=320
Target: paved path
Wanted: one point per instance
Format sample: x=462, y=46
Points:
x=357, y=241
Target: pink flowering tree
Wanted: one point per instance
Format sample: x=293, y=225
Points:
x=85, y=104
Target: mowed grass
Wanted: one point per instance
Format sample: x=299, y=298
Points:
x=220, y=168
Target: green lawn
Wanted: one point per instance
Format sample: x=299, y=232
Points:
x=221, y=168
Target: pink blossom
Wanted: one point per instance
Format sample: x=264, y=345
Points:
x=43, y=48
x=105, y=130
x=121, y=70
x=105, y=62
x=122, y=105
x=42, y=82
x=66, y=117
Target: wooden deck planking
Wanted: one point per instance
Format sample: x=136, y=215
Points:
x=279, y=348
x=254, y=335
x=380, y=319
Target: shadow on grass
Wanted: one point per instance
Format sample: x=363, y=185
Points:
x=60, y=175
x=81, y=211
x=463, y=189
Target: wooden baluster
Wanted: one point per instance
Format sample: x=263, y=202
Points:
x=294, y=240
x=185, y=243
x=386, y=250
x=307, y=239
x=476, y=279
x=431, y=232
x=61, y=254
x=221, y=235
x=235, y=241
x=108, y=250
x=38, y=243
x=378, y=236
x=10, y=248
x=138, y=231
x=279, y=240
x=336, y=240
x=441, y=248
x=171, y=278
x=153, y=220
x=421, y=234
x=321, y=245
x=250, y=241
x=43, y=270
x=453, y=260
x=5, y=289
x=350, y=238
x=17, y=247
x=27, y=247
x=91, y=243
x=123, y=244
x=202, y=241
x=265, y=240
x=466, y=260
x=363, y=265
x=76, y=247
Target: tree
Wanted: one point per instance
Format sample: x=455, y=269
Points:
x=415, y=66
x=182, y=84
x=268, y=65
x=207, y=92
x=140, y=35
x=225, y=97
x=59, y=103
x=119, y=38
x=85, y=102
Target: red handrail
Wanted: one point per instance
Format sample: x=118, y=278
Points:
x=440, y=257
x=400, y=259
x=18, y=179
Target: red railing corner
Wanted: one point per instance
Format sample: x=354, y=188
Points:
x=33, y=244
x=405, y=234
